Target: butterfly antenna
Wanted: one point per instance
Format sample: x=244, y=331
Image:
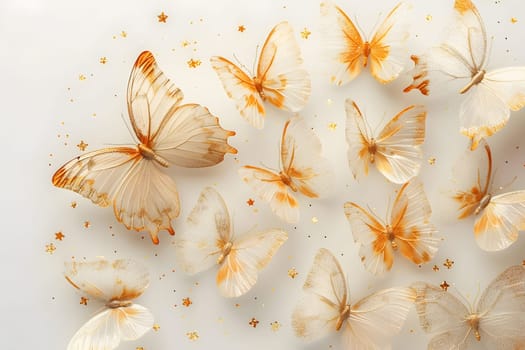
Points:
x=502, y=187
x=242, y=65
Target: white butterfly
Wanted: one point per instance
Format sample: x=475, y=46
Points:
x=350, y=51
x=279, y=79
x=326, y=308
x=303, y=170
x=408, y=231
x=116, y=284
x=132, y=179
x=464, y=56
x=500, y=216
x=396, y=151
x=496, y=320
x=210, y=241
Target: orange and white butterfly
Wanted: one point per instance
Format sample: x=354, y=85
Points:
x=408, y=231
x=279, y=79
x=210, y=241
x=131, y=179
x=350, y=51
x=326, y=308
x=464, y=57
x=396, y=151
x=116, y=284
x=500, y=216
x=496, y=320
x=303, y=170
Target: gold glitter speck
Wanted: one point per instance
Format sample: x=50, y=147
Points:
x=81, y=77
x=83, y=301
x=59, y=236
x=87, y=224
x=187, y=302
x=332, y=126
x=250, y=202
x=315, y=220
x=192, y=335
x=435, y=268
x=194, y=63
x=305, y=33
x=123, y=34
x=73, y=205
x=292, y=272
x=432, y=160
x=444, y=285
x=156, y=327
x=448, y=263
x=513, y=20
x=275, y=326
x=103, y=60
x=428, y=18
x=253, y=322
x=50, y=248
x=241, y=28
x=82, y=145
x=162, y=17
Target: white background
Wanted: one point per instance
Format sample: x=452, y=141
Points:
x=47, y=110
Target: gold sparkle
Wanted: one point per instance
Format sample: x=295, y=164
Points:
x=59, y=236
x=250, y=202
x=444, y=285
x=194, y=63
x=448, y=263
x=275, y=326
x=237, y=305
x=156, y=327
x=123, y=34
x=253, y=322
x=87, y=224
x=50, y=248
x=432, y=160
x=162, y=17
x=292, y=272
x=81, y=77
x=315, y=220
x=513, y=20
x=192, y=335
x=83, y=301
x=435, y=268
x=103, y=60
x=185, y=43
x=187, y=302
x=332, y=126
x=428, y=18
x=82, y=145
x=305, y=33
x=241, y=28
x=73, y=205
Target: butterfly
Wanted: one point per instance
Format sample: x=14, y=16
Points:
x=464, y=57
x=116, y=284
x=350, y=51
x=132, y=179
x=396, y=151
x=496, y=320
x=279, y=79
x=303, y=170
x=325, y=308
x=408, y=231
x=210, y=241
x=500, y=216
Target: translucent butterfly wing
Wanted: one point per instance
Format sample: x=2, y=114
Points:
x=209, y=230
x=122, y=280
x=249, y=254
x=358, y=140
x=317, y=314
x=241, y=88
x=284, y=83
x=106, y=330
x=374, y=320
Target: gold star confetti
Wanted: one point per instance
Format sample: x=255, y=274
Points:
x=444, y=285
x=187, y=302
x=292, y=272
x=156, y=327
x=253, y=322
x=305, y=33
x=50, y=248
x=332, y=126
x=428, y=18
x=82, y=145
x=448, y=263
x=83, y=300
x=103, y=60
x=123, y=34
x=432, y=160
x=81, y=77
x=59, y=236
x=435, y=268
x=194, y=63
x=162, y=17
x=87, y=224
x=185, y=43
x=241, y=28
x=192, y=335
x=275, y=326
x=315, y=220
x=250, y=202
x=73, y=205
x=513, y=20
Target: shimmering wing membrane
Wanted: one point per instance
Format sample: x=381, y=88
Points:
x=198, y=248
x=284, y=83
x=357, y=139
x=510, y=85
x=241, y=88
x=326, y=294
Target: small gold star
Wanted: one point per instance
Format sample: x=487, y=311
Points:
x=73, y=205
x=192, y=335
x=253, y=322
x=444, y=285
x=435, y=268
x=250, y=202
x=50, y=248
x=83, y=300
x=185, y=43
x=103, y=60
x=292, y=272
x=448, y=263
x=241, y=28
x=156, y=327
x=305, y=33
x=194, y=63
x=82, y=145
x=428, y=18
x=81, y=77
x=275, y=326
x=432, y=160
x=87, y=224
x=332, y=126
x=187, y=302
x=123, y=34
x=59, y=236
x=513, y=20
x=315, y=220
x=162, y=17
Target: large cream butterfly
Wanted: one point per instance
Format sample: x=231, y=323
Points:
x=303, y=170
x=116, y=284
x=279, y=79
x=210, y=241
x=131, y=179
x=464, y=57
x=409, y=230
x=396, y=151
x=496, y=320
x=326, y=308
x=500, y=217
x=350, y=51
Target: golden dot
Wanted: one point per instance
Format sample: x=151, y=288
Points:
x=87, y=224
x=50, y=248
x=156, y=327
x=162, y=17
x=103, y=60
x=292, y=272
x=194, y=63
x=73, y=205
x=187, y=302
x=432, y=160
x=81, y=77
x=332, y=126
x=275, y=326
x=123, y=34
x=315, y=220
x=83, y=301
x=192, y=335
x=513, y=20
x=305, y=33
x=428, y=18
x=241, y=28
